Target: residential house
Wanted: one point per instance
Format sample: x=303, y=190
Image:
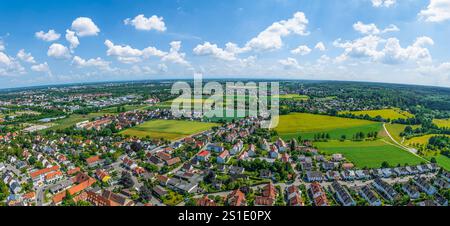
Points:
x=203, y=156
x=411, y=190
x=342, y=194
x=318, y=195
x=223, y=157
x=385, y=188
x=312, y=176
x=369, y=196
x=236, y=198
x=425, y=186
x=94, y=161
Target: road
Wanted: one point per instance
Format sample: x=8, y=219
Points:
x=349, y=184
x=411, y=150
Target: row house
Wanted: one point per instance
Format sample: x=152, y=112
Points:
x=369, y=196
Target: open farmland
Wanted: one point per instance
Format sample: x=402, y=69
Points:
x=442, y=161
x=442, y=122
x=73, y=119
x=422, y=140
x=293, y=97
x=168, y=129
x=390, y=113
x=396, y=129
x=369, y=154
x=306, y=125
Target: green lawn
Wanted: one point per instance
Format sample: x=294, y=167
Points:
x=306, y=125
x=442, y=122
x=443, y=161
x=73, y=119
x=369, y=154
x=390, y=113
x=168, y=129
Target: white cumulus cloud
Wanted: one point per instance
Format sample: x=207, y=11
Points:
x=301, y=50
x=320, y=46
x=383, y=3
x=128, y=54
x=289, y=63
x=95, y=62
x=391, y=53
x=25, y=57
x=72, y=39
x=372, y=29
x=58, y=51
x=84, y=26
x=41, y=67
x=49, y=36
x=140, y=22
x=174, y=54
x=437, y=11
x=271, y=37
x=208, y=49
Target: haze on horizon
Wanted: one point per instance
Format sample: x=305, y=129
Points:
x=390, y=41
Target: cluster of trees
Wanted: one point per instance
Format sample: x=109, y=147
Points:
x=359, y=136
x=439, y=143
x=321, y=137
x=280, y=170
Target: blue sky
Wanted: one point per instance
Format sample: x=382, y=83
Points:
x=396, y=41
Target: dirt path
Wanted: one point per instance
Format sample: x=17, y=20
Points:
x=411, y=150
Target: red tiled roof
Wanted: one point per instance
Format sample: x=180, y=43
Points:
x=43, y=171
x=264, y=201
x=203, y=153
x=92, y=159
x=53, y=175
x=269, y=191
x=236, y=198
x=73, y=171
x=173, y=161
x=224, y=154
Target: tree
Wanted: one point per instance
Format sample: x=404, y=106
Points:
x=385, y=164
x=126, y=180
x=145, y=193
x=4, y=191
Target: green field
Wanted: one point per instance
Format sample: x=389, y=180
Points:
x=422, y=140
x=113, y=110
x=443, y=161
x=306, y=125
x=396, y=129
x=168, y=129
x=369, y=154
x=72, y=120
x=390, y=113
x=293, y=97
x=442, y=122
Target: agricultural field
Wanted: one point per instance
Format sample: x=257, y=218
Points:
x=306, y=125
x=422, y=140
x=443, y=161
x=396, y=129
x=297, y=97
x=113, y=110
x=390, y=113
x=369, y=154
x=72, y=120
x=442, y=122
x=168, y=129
